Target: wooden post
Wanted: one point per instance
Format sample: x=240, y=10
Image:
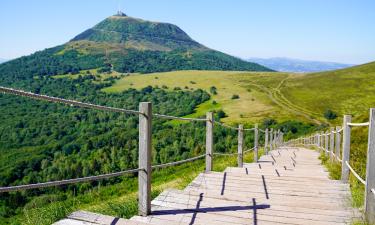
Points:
x=266, y=142
x=256, y=143
x=370, y=171
x=209, y=140
x=271, y=139
x=327, y=143
x=338, y=142
x=144, y=159
x=240, y=146
x=345, y=148
x=318, y=140
x=332, y=143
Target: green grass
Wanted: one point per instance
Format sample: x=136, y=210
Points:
x=273, y=95
x=253, y=105
x=346, y=91
x=119, y=200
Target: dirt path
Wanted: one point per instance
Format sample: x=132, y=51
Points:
x=278, y=98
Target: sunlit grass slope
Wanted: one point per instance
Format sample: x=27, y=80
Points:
x=253, y=104
x=346, y=91
x=281, y=96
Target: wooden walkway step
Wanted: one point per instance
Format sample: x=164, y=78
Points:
x=288, y=186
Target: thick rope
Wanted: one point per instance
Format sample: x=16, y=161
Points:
x=64, y=101
x=358, y=124
x=225, y=154
x=224, y=125
x=178, y=162
x=63, y=182
x=178, y=118
x=249, y=129
x=91, y=178
x=249, y=150
x=355, y=173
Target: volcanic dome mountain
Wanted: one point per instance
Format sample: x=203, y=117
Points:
x=126, y=44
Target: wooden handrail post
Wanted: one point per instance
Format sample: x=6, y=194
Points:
x=144, y=159
x=345, y=148
x=327, y=143
x=318, y=140
x=266, y=142
x=370, y=171
x=271, y=139
x=256, y=143
x=209, y=140
x=240, y=146
x=338, y=142
x=332, y=143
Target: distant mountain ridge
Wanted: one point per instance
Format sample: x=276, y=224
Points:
x=297, y=65
x=3, y=60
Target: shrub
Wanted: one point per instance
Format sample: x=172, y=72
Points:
x=214, y=102
x=330, y=115
x=235, y=97
x=192, y=82
x=221, y=114
x=213, y=90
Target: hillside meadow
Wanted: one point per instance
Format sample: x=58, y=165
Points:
x=252, y=104
x=281, y=96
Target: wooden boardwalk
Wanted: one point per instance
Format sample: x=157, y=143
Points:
x=288, y=186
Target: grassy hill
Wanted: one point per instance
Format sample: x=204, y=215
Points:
x=346, y=91
x=272, y=95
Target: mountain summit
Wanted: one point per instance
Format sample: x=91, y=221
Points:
x=126, y=44
x=140, y=34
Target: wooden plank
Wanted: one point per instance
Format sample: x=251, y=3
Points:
x=95, y=218
x=224, y=209
x=72, y=222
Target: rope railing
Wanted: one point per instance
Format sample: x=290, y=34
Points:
x=249, y=150
x=226, y=126
x=249, y=129
x=355, y=173
x=359, y=124
x=226, y=154
x=177, y=162
x=178, y=118
x=65, y=101
x=63, y=182
x=92, y=178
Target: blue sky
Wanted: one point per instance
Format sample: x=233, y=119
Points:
x=329, y=30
